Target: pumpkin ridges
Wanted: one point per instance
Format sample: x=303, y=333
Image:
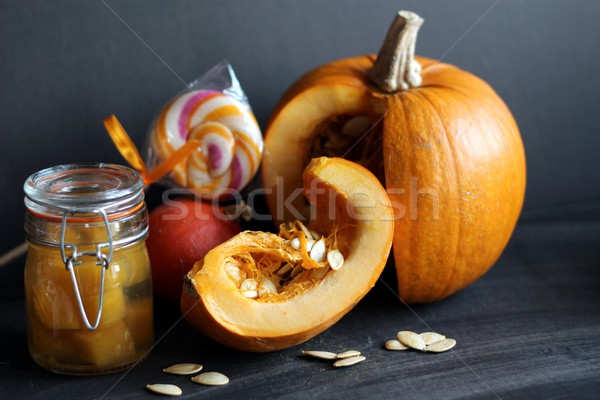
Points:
x=463, y=82
x=498, y=112
x=495, y=241
x=414, y=235
x=471, y=272
x=450, y=273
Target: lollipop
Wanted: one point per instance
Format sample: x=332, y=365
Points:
x=230, y=140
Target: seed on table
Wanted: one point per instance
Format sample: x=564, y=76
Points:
x=335, y=259
x=411, y=339
x=441, y=346
x=166, y=389
x=395, y=345
x=348, y=353
x=318, y=251
x=211, y=379
x=324, y=355
x=346, y=362
x=431, y=337
x=183, y=369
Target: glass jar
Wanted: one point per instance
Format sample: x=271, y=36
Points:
x=88, y=285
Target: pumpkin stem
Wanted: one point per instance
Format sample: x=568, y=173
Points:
x=396, y=68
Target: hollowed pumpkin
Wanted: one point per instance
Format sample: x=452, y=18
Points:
x=225, y=295
x=444, y=143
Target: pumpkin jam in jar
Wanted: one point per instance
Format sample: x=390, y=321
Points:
x=88, y=285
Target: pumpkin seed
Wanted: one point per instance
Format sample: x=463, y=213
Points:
x=249, y=284
x=411, y=339
x=335, y=143
x=246, y=211
x=346, y=362
x=315, y=235
x=356, y=126
x=266, y=286
x=318, y=251
x=251, y=294
x=285, y=269
x=285, y=227
x=295, y=243
x=304, y=229
x=348, y=353
x=183, y=369
x=431, y=337
x=211, y=379
x=239, y=210
x=325, y=355
x=298, y=269
x=395, y=345
x=166, y=389
x=249, y=288
x=441, y=346
x=233, y=271
x=319, y=273
x=335, y=258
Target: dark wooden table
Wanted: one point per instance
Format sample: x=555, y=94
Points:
x=529, y=329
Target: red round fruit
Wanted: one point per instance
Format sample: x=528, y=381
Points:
x=181, y=232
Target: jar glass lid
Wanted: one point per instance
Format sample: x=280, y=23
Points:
x=84, y=188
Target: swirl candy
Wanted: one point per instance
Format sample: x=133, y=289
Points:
x=230, y=141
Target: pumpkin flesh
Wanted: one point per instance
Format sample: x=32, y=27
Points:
x=361, y=225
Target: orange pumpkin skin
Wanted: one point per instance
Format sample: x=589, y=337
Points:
x=454, y=167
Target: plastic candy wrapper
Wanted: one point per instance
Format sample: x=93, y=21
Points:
x=215, y=112
x=205, y=139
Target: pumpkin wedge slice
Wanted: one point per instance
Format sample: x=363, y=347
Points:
x=262, y=292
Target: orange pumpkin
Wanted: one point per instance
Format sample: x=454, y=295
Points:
x=261, y=292
x=442, y=140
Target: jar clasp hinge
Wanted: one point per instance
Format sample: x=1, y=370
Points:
x=73, y=260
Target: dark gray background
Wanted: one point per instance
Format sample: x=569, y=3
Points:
x=65, y=65
x=527, y=329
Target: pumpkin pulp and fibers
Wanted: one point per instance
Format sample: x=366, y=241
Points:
x=288, y=264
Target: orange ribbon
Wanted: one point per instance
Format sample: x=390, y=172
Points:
x=131, y=154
